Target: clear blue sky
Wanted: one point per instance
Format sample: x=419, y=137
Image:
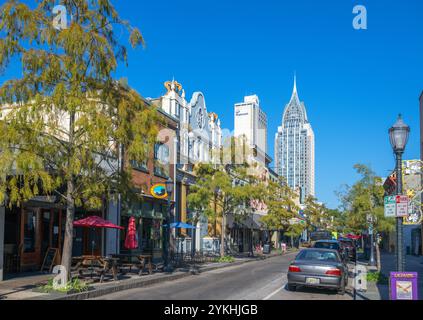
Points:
x=354, y=83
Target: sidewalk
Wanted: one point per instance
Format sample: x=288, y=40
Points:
x=381, y=291
x=22, y=288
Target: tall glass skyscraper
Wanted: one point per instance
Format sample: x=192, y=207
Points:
x=294, y=147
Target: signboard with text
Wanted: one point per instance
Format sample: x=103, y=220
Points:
x=403, y=286
x=390, y=206
x=402, y=206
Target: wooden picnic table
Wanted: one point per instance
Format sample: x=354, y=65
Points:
x=103, y=264
x=142, y=260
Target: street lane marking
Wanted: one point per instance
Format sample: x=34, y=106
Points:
x=275, y=292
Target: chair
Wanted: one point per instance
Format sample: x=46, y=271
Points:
x=12, y=258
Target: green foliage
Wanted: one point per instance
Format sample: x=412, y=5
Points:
x=63, y=121
x=365, y=197
x=318, y=216
x=225, y=259
x=377, y=277
x=221, y=190
x=279, y=198
x=74, y=286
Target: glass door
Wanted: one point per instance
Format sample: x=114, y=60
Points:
x=46, y=239
x=30, y=239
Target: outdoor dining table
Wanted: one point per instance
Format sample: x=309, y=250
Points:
x=87, y=262
x=143, y=260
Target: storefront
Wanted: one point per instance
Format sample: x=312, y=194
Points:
x=149, y=216
x=246, y=232
x=29, y=231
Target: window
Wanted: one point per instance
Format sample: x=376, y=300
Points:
x=161, y=160
x=142, y=166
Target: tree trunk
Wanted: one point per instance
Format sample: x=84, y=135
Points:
x=67, y=243
x=222, y=237
x=193, y=238
x=70, y=203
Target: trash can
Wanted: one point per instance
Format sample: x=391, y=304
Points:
x=266, y=249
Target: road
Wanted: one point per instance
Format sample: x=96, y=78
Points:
x=259, y=280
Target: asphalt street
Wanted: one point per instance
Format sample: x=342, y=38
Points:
x=259, y=280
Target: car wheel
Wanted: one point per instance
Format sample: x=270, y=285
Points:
x=291, y=287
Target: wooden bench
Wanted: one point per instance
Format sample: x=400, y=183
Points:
x=134, y=260
x=100, y=265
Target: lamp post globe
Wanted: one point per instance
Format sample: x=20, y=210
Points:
x=398, y=136
x=169, y=186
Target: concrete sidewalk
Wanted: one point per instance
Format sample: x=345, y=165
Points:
x=377, y=291
x=22, y=288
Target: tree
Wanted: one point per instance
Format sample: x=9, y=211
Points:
x=221, y=190
x=366, y=197
x=317, y=215
x=66, y=118
x=281, y=208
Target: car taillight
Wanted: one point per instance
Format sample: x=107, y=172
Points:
x=294, y=269
x=334, y=272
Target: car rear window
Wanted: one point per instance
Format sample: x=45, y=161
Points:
x=317, y=255
x=326, y=245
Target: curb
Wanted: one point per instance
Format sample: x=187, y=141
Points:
x=138, y=283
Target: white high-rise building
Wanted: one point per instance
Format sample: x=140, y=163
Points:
x=294, y=147
x=251, y=123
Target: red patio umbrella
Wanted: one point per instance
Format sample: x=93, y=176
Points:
x=131, y=241
x=353, y=236
x=95, y=222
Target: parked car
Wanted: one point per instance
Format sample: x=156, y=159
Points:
x=321, y=268
x=320, y=235
x=349, y=248
x=331, y=244
x=306, y=244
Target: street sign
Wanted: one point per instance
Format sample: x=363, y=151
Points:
x=403, y=286
x=390, y=206
x=402, y=206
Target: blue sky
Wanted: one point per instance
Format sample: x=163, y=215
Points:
x=353, y=82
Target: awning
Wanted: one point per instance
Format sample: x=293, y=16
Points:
x=247, y=221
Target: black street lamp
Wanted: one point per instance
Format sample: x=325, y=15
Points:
x=168, y=233
x=398, y=136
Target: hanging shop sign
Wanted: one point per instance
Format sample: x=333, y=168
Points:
x=158, y=191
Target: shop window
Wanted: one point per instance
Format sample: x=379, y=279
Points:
x=141, y=166
x=161, y=160
x=30, y=224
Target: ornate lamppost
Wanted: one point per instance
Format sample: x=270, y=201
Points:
x=398, y=136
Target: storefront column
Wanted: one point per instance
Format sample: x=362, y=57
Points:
x=112, y=235
x=2, y=222
x=183, y=199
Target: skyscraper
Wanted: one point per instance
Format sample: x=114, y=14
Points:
x=294, y=147
x=251, y=123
